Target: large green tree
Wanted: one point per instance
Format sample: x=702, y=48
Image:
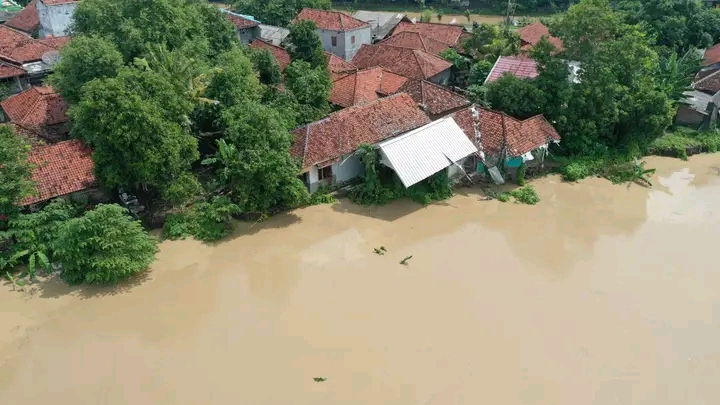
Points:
x=278, y=12
x=311, y=89
x=267, y=67
x=15, y=172
x=103, y=247
x=304, y=43
x=137, y=124
x=84, y=59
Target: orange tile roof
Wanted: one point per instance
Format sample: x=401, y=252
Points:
x=712, y=55
x=365, y=85
x=7, y=71
x=331, y=20
x=36, y=108
x=518, y=66
x=445, y=33
x=60, y=169
x=344, y=131
x=436, y=99
x=58, y=2
x=27, y=20
x=281, y=54
x=414, y=40
x=531, y=34
x=338, y=66
x=18, y=47
x=55, y=42
x=240, y=22
x=411, y=63
x=499, y=131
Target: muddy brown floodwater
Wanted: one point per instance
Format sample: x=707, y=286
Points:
x=600, y=294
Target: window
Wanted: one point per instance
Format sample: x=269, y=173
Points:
x=333, y=41
x=325, y=173
x=352, y=39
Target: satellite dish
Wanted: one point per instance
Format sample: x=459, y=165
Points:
x=51, y=58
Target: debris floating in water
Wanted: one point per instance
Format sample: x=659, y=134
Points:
x=320, y=379
x=404, y=261
x=378, y=251
x=383, y=248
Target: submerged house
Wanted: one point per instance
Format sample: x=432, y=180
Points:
x=505, y=142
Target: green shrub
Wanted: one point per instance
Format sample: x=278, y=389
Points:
x=322, y=196
x=522, y=195
x=678, y=143
x=205, y=221
x=520, y=174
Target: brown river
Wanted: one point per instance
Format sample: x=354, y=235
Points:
x=600, y=294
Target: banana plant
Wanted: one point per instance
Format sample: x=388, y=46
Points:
x=35, y=259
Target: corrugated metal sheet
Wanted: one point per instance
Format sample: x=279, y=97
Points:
x=381, y=22
x=425, y=151
x=274, y=35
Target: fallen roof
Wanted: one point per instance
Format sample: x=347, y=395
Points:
x=406, y=62
x=533, y=33
x=338, y=66
x=698, y=100
x=433, y=98
x=496, y=131
x=60, y=169
x=35, y=108
x=425, y=151
x=520, y=67
x=281, y=54
x=341, y=133
x=381, y=22
x=331, y=20
x=414, y=40
x=364, y=85
x=445, y=33
x=27, y=20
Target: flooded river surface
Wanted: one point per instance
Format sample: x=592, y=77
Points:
x=600, y=294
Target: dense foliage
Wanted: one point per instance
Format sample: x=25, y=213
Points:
x=277, y=12
x=104, y=246
x=15, y=172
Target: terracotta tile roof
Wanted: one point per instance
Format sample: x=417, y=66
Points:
x=365, y=85
x=406, y=62
x=58, y=2
x=55, y=42
x=712, y=55
x=705, y=73
x=445, y=33
x=331, y=20
x=517, y=66
x=281, y=55
x=436, y=99
x=27, y=20
x=7, y=70
x=36, y=108
x=19, y=48
x=499, y=131
x=60, y=169
x=531, y=34
x=239, y=21
x=342, y=132
x=709, y=83
x=414, y=40
x=338, y=66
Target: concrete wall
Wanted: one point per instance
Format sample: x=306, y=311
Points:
x=249, y=34
x=441, y=78
x=689, y=116
x=345, y=48
x=343, y=171
x=55, y=20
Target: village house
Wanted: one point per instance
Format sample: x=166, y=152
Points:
x=280, y=54
x=27, y=20
x=518, y=66
x=381, y=22
x=530, y=35
x=36, y=57
x=338, y=67
x=246, y=27
x=39, y=114
x=341, y=34
x=412, y=63
x=63, y=170
x=448, y=34
x=700, y=109
x=326, y=148
x=437, y=101
x=505, y=142
x=414, y=40
x=55, y=17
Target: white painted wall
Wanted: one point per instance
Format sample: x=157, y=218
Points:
x=55, y=20
x=344, y=47
x=348, y=168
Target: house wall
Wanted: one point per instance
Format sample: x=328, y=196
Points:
x=55, y=20
x=441, y=78
x=249, y=34
x=688, y=116
x=343, y=171
x=345, y=48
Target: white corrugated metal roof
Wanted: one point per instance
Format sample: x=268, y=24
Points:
x=425, y=151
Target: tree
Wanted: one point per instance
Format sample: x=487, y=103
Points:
x=468, y=15
x=104, y=246
x=440, y=15
x=233, y=80
x=519, y=98
x=85, y=58
x=479, y=72
x=15, y=172
x=488, y=42
x=137, y=124
x=305, y=44
x=426, y=15
x=311, y=88
x=267, y=67
x=278, y=12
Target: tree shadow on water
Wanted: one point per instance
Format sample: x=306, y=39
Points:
x=54, y=287
x=389, y=212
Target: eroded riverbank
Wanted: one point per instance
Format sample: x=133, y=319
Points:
x=599, y=294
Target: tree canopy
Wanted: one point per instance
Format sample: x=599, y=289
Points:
x=15, y=172
x=277, y=12
x=304, y=43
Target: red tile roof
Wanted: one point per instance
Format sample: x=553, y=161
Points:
x=240, y=22
x=35, y=108
x=414, y=40
x=531, y=34
x=55, y=42
x=60, y=169
x=712, y=55
x=338, y=66
x=406, y=62
x=281, y=55
x=445, y=33
x=709, y=83
x=331, y=20
x=499, y=131
x=58, y=2
x=435, y=99
x=18, y=47
x=364, y=85
x=27, y=20
x=8, y=71
x=343, y=132
x=517, y=66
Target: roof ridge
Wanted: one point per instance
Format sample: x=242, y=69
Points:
x=706, y=77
